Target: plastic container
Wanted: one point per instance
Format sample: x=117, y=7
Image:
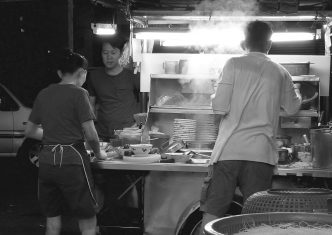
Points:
x=174, y=146
x=130, y=138
x=159, y=141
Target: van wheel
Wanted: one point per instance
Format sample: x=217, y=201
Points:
x=27, y=155
x=192, y=225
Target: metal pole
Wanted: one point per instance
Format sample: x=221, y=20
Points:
x=70, y=18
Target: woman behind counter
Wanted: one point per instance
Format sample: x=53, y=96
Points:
x=66, y=117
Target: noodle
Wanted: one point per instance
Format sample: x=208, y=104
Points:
x=301, y=228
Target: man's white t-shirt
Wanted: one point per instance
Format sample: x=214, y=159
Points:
x=251, y=91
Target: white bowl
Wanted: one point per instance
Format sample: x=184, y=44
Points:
x=103, y=145
x=140, y=149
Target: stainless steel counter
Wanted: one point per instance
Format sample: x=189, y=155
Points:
x=324, y=173
x=172, y=190
x=182, y=167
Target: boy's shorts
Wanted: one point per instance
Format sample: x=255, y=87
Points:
x=66, y=186
x=223, y=178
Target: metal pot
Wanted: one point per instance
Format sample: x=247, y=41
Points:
x=284, y=157
x=321, y=148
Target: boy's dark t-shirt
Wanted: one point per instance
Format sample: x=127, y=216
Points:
x=61, y=109
x=116, y=98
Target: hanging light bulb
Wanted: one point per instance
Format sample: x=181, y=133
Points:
x=103, y=29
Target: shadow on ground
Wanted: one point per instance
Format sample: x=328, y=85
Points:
x=19, y=208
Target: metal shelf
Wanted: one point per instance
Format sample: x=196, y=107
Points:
x=181, y=110
x=305, y=78
x=325, y=173
x=301, y=113
x=208, y=110
x=185, y=76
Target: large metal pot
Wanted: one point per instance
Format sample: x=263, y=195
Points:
x=321, y=147
x=284, y=156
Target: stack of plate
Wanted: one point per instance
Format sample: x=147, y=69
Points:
x=184, y=129
x=206, y=131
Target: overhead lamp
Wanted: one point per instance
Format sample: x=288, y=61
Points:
x=292, y=36
x=161, y=35
x=234, y=18
x=207, y=37
x=103, y=29
x=190, y=18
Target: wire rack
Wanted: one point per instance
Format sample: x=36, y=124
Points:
x=288, y=200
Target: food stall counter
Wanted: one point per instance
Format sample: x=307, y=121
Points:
x=171, y=191
x=121, y=165
x=184, y=167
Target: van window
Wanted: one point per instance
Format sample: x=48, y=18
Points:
x=7, y=103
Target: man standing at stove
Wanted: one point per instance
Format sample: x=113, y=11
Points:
x=113, y=90
x=251, y=91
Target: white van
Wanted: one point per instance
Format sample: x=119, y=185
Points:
x=13, y=119
x=14, y=116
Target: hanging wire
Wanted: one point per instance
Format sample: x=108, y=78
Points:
x=113, y=16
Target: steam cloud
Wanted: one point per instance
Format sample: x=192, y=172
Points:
x=228, y=7
x=226, y=33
